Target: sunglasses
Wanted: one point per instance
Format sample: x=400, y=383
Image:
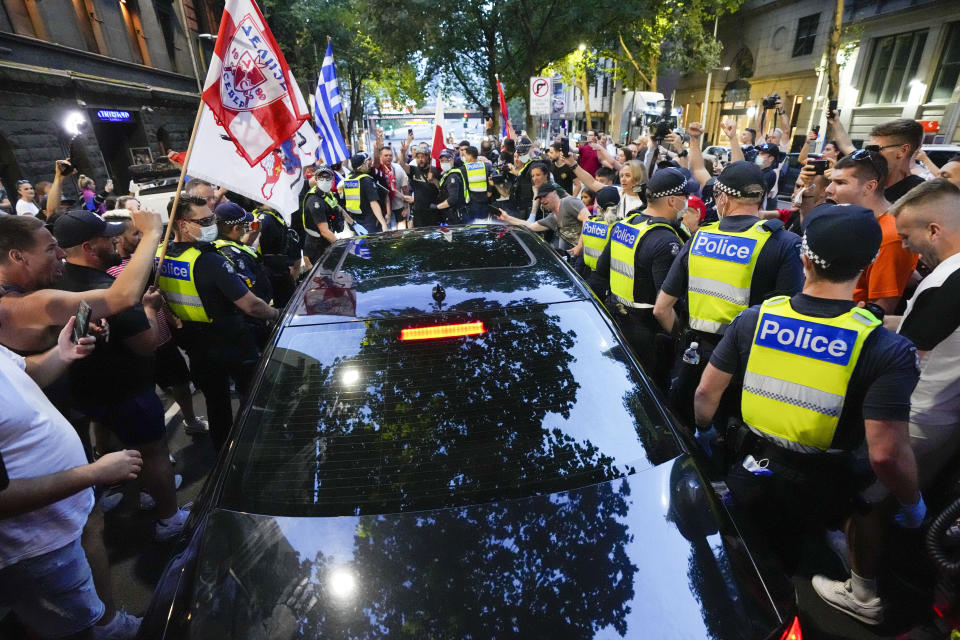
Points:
x=203, y=222
x=866, y=154
x=875, y=148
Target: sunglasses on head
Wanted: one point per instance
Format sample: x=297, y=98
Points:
x=865, y=154
x=22, y=182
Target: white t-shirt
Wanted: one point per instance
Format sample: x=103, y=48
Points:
x=25, y=208
x=628, y=203
x=36, y=440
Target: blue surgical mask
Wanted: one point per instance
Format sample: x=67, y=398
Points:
x=208, y=234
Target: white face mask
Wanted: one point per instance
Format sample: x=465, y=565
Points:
x=325, y=185
x=446, y=166
x=524, y=157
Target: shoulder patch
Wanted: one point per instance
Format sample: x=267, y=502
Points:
x=674, y=248
x=228, y=267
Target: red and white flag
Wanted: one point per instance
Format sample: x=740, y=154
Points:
x=438, y=143
x=249, y=87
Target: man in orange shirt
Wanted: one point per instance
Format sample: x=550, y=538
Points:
x=858, y=179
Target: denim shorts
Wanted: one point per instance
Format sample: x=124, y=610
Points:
x=52, y=594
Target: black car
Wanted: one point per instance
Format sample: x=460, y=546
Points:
x=448, y=439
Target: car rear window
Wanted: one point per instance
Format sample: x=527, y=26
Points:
x=349, y=419
x=450, y=249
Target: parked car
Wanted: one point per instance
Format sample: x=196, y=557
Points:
x=447, y=438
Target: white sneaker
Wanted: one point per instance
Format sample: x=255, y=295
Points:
x=839, y=595
x=196, y=427
x=172, y=526
x=123, y=627
x=146, y=500
x=110, y=501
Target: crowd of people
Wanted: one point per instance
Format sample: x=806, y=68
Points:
x=812, y=349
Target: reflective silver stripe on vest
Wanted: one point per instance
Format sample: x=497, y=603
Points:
x=631, y=304
x=621, y=267
x=312, y=233
x=787, y=444
x=183, y=299
x=828, y=404
x=590, y=251
x=707, y=326
x=718, y=289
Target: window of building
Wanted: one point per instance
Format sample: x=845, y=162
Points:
x=949, y=68
x=893, y=64
x=25, y=17
x=806, y=35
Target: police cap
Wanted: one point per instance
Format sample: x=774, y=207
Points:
x=841, y=237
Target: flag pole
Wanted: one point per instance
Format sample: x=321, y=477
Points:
x=176, y=195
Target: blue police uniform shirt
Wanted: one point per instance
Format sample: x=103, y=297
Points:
x=778, y=269
x=882, y=380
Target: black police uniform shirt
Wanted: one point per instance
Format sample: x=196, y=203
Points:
x=250, y=269
x=112, y=371
x=319, y=212
x=882, y=381
x=273, y=235
x=658, y=249
x=217, y=282
x=369, y=192
x=453, y=190
x=778, y=270
x=898, y=189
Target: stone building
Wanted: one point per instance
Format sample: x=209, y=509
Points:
x=903, y=61
x=108, y=83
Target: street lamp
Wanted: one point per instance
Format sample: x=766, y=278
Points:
x=706, y=96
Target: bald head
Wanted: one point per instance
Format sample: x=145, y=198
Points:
x=928, y=220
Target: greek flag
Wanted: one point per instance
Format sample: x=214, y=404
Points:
x=326, y=104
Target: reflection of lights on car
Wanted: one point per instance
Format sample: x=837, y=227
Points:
x=342, y=583
x=351, y=375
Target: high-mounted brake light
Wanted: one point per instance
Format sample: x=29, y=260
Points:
x=793, y=632
x=443, y=331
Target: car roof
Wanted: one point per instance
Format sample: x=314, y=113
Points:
x=422, y=271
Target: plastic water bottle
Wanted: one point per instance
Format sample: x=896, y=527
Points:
x=692, y=354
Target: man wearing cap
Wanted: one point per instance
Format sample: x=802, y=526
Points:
x=233, y=222
x=322, y=215
x=634, y=264
x=768, y=159
x=726, y=267
x=567, y=217
x=453, y=190
x=361, y=196
x=521, y=190
x=821, y=377
x=129, y=406
x=204, y=290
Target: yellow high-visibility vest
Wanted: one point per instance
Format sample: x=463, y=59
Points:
x=179, y=286
x=476, y=176
x=624, y=241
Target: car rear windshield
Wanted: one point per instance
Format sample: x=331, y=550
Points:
x=447, y=249
x=350, y=419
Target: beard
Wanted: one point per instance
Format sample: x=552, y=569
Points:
x=109, y=257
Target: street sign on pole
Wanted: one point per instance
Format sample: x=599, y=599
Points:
x=539, y=96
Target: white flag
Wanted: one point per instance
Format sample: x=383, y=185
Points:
x=275, y=181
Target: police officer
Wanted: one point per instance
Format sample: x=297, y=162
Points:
x=634, y=264
x=232, y=224
x=453, y=190
x=322, y=215
x=820, y=377
x=596, y=232
x=476, y=170
x=726, y=267
x=204, y=290
x=521, y=190
x=279, y=248
x=362, y=200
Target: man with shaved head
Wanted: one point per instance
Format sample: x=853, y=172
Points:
x=928, y=222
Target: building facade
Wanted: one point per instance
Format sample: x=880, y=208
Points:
x=108, y=83
x=901, y=60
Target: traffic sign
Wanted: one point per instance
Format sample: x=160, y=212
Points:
x=539, y=96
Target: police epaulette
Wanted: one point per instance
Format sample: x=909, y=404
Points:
x=773, y=225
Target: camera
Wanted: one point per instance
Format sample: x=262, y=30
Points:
x=770, y=102
x=664, y=124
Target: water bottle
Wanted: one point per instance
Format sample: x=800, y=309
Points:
x=692, y=354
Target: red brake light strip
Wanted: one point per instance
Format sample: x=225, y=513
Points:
x=793, y=632
x=443, y=331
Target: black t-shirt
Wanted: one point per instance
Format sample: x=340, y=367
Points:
x=521, y=191
x=112, y=371
x=778, y=270
x=897, y=190
x=882, y=381
x=935, y=314
x=658, y=249
x=424, y=192
x=563, y=176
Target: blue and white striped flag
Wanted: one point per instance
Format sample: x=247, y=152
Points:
x=326, y=104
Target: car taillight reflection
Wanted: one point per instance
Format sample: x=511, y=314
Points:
x=793, y=632
x=443, y=331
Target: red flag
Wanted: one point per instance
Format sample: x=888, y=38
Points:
x=249, y=87
x=438, y=143
x=506, y=129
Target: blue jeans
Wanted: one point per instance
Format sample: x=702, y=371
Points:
x=52, y=594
